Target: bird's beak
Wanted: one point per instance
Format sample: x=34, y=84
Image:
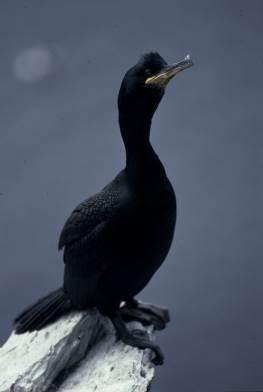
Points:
x=168, y=72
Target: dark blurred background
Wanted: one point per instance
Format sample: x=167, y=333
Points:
x=60, y=69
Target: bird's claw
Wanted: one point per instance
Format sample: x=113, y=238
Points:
x=158, y=358
x=139, y=333
x=147, y=314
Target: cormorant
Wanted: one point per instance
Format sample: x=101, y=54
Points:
x=115, y=241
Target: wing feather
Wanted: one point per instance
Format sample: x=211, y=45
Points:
x=95, y=212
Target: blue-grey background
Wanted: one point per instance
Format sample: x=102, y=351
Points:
x=59, y=143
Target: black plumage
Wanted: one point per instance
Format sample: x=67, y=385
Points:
x=115, y=241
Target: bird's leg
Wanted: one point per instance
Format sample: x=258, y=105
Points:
x=145, y=313
x=137, y=338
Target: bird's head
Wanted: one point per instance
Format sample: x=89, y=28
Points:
x=143, y=86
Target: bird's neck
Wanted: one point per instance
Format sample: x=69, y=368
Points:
x=141, y=159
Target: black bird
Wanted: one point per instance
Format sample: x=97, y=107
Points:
x=116, y=240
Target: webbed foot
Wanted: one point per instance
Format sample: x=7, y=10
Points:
x=146, y=313
x=136, y=338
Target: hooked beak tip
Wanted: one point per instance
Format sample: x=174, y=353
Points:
x=163, y=77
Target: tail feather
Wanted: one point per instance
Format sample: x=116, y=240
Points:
x=43, y=312
x=40, y=306
x=37, y=305
x=34, y=319
x=54, y=314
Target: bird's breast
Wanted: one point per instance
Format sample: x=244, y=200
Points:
x=151, y=228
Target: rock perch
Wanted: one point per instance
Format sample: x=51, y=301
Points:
x=78, y=353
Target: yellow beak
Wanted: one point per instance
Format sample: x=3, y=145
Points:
x=166, y=74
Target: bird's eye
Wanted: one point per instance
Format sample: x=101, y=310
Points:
x=147, y=72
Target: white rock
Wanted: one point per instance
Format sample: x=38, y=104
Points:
x=82, y=350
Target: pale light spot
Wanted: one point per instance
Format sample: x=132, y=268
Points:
x=34, y=64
